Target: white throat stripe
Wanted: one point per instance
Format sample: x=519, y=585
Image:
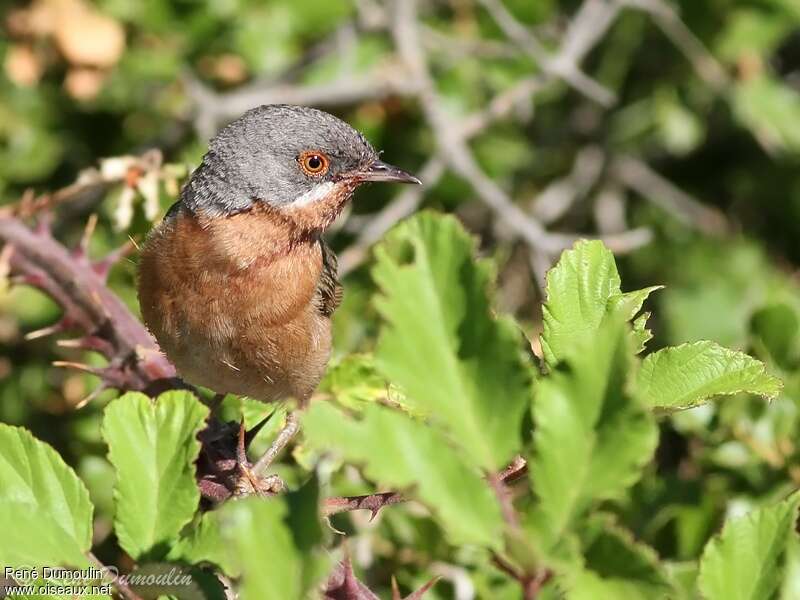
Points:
x=318, y=192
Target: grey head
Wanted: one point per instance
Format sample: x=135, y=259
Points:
x=282, y=155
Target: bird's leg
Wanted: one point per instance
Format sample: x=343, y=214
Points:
x=251, y=481
x=284, y=436
x=242, y=463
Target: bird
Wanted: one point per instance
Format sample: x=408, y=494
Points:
x=236, y=283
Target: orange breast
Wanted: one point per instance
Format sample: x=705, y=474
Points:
x=232, y=303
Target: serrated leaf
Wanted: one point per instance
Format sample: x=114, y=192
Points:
x=581, y=290
x=640, y=334
x=616, y=565
x=744, y=561
x=630, y=303
x=203, y=543
x=272, y=565
x=355, y=381
x=589, y=427
x=441, y=343
x=45, y=512
x=685, y=376
x=153, y=446
x=402, y=453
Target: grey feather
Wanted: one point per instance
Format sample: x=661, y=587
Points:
x=254, y=159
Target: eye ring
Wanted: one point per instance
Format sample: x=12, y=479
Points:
x=313, y=163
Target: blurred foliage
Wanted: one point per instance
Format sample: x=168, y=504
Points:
x=83, y=81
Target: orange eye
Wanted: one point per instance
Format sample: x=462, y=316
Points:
x=314, y=164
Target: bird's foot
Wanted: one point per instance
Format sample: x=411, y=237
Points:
x=249, y=481
x=250, y=485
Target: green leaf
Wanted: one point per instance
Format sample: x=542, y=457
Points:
x=744, y=561
x=153, y=446
x=355, y=381
x=581, y=289
x=45, y=512
x=764, y=105
x=402, y=453
x=203, y=543
x=441, y=343
x=685, y=376
x=591, y=437
x=616, y=565
x=776, y=327
x=271, y=563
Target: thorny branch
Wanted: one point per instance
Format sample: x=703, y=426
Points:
x=375, y=502
x=78, y=285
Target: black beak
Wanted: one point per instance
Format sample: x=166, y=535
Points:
x=381, y=171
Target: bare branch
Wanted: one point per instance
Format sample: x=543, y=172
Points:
x=636, y=175
x=554, y=66
x=703, y=62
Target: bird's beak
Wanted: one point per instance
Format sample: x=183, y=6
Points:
x=381, y=171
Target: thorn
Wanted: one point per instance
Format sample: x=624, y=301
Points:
x=67, y=364
x=81, y=251
x=250, y=435
x=395, y=589
x=373, y=513
x=103, y=266
x=89, y=342
x=44, y=223
x=421, y=591
x=45, y=331
x=92, y=395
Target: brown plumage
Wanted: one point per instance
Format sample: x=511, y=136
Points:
x=236, y=284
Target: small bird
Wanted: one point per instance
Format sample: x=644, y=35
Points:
x=236, y=283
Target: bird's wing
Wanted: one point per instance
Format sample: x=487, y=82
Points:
x=329, y=292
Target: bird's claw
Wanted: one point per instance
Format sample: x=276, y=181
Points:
x=250, y=483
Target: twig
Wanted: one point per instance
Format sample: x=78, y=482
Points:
x=703, y=62
x=214, y=108
x=374, y=502
x=371, y=502
x=555, y=66
x=122, y=587
x=557, y=198
x=448, y=138
x=636, y=175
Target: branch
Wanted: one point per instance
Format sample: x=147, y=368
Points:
x=703, y=62
x=78, y=285
x=371, y=502
x=638, y=176
x=375, y=502
x=213, y=108
x=555, y=66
